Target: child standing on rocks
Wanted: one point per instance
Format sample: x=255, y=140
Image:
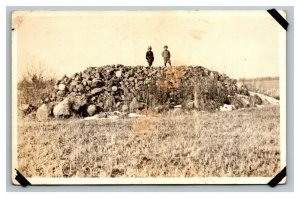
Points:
x=149, y=56
x=166, y=55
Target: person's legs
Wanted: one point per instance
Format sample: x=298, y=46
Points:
x=169, y=60
x=165, y=61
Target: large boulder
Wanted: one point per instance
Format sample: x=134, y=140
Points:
x=62, y=109
x=44, y=111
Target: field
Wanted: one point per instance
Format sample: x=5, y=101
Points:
x=239, y=143
x=267, y=86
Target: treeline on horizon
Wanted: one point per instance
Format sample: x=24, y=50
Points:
x=259, y=78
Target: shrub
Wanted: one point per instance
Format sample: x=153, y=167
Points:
x=35, y=85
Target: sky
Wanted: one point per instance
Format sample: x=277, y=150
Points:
x=238, y=43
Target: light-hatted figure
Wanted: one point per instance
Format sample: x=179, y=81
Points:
x=149, y=56
x=166, y=56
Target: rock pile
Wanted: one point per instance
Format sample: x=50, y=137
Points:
x=131, y=88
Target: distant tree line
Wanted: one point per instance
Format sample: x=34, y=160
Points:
x=259, y=78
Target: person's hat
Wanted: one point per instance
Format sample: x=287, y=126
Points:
x=165, y=46
x=149, y=47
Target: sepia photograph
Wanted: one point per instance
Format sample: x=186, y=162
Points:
x=148, y=97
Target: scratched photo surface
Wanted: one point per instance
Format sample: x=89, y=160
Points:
x=148, y=97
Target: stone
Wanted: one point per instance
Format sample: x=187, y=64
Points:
x=135, y=115
x=118, y=113
x=44, y=112
x=60, y=93
x=62, y=87
x=118, y=104
x=132, y=88
x=124, y=108
x=32, y=115
x=77, y=78
x=27, y=109
x=234, y=100
x=177, y=106
x=79, y=87
x=47, y=100
x=255, y=100
x=95, y=83
x=114, y=88
x=95, y=117
x=245, y=102
x=243, y=90
x=96, y=90
x=92, y=109
x=78, y=101
x=62, y=109
x=102, y=115
x=89, y=82
x=227, y=107
x=118, y=74
x=73, y=83
x=240, y=101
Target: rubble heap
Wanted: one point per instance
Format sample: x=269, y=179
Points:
x=131, y=88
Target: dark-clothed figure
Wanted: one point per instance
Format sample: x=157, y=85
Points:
x=149, y=56
x=166, y=55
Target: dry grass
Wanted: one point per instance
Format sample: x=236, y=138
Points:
x=198, y=144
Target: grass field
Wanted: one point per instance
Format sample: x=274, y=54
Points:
x=267, y=86
x=199, y=144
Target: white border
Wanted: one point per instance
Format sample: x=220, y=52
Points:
x=209, y=180
x=3, y=118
